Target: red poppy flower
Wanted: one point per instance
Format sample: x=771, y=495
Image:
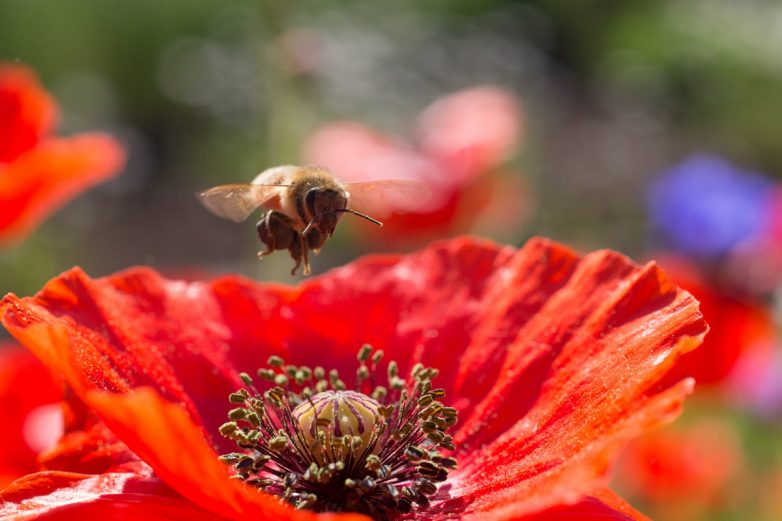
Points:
x=553, y=361
x=40, y=173
x=462, y=141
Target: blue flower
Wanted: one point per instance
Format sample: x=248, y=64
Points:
x=705, y=206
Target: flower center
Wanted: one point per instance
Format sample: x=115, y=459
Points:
x=319, y=446
x=332, y=414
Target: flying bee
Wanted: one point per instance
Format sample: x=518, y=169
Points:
x=304, y=204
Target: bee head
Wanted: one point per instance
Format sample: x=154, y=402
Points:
x=325, y=206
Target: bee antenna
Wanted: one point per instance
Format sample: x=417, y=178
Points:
x=365, y=216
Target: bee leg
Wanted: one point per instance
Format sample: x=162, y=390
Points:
x=296, y=266
x=307, y=267
x=295, y=250
x=305, y=255
x=315, y=240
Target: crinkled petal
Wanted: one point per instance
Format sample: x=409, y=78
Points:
x=46, y=177
x=602, y=324
x=27, y=112
x=55, y=495
x=582, y=373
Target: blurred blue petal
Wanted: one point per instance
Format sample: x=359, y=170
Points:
x=705, y=206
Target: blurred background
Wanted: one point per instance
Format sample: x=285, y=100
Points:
x=650, y=127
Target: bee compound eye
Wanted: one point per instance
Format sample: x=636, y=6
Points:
x=309, y=200
x=342, y=201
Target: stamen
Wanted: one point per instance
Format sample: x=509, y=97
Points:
x=373, y=449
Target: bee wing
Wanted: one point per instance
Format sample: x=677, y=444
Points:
x=236, y=202
x=383, y=197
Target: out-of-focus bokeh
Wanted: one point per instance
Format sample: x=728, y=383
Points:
x=650, y=127
x=210, y=92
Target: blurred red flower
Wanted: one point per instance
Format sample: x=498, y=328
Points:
x=462, y=142
x=38, y=172
x=683, y=471
x=46, y=427
x=553, y=360
x=29, y=411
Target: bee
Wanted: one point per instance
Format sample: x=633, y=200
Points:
x=304, y=205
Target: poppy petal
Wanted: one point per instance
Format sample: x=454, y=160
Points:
x=63, y=496
x=45, y=178
x=27, y=112
x=583, y=375
x=603, y=309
